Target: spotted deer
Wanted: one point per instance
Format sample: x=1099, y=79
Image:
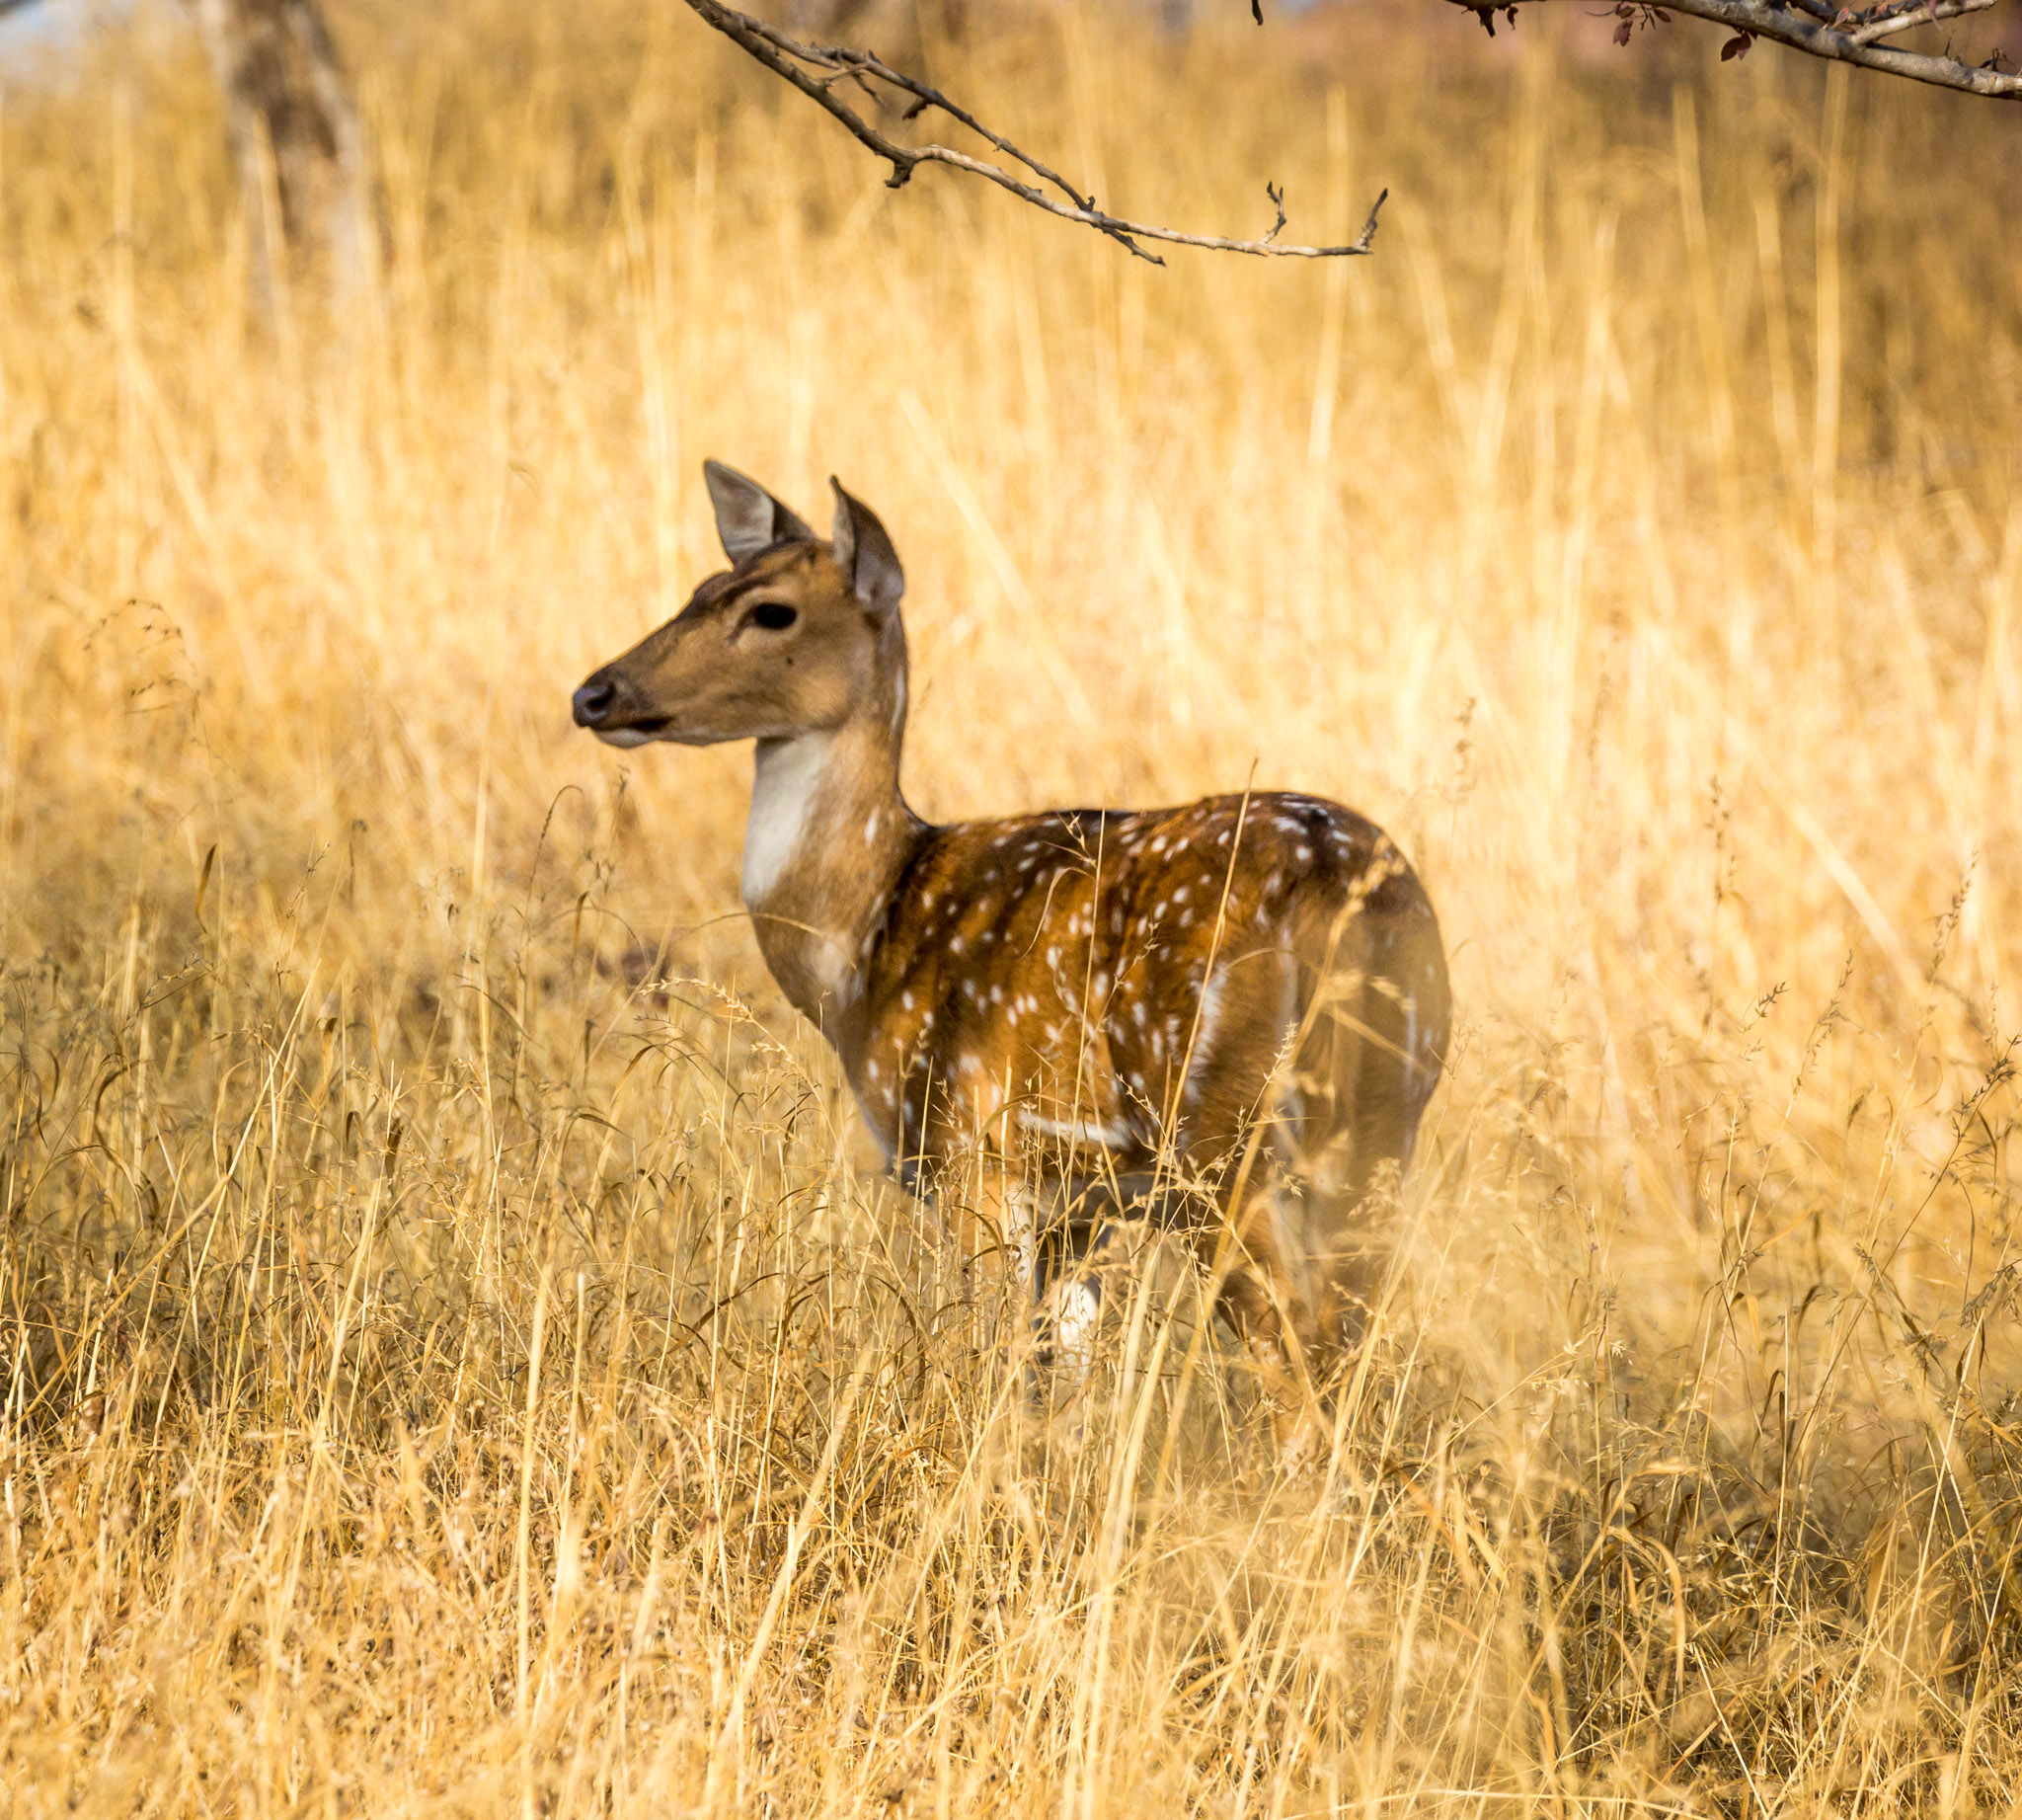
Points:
x=1238, y=1007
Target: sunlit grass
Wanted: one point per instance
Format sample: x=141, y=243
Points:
x=459, y=1354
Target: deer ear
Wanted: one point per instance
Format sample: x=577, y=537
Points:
x=748, y=518
x=864, y=553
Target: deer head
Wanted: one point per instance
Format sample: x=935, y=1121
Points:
x=798, y=636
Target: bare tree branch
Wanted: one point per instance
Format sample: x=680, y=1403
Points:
x=1837, y=34
x=1882, y=20
x=797, y=64
x=1762, y=19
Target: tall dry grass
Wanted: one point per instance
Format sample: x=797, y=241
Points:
x=458, y=1358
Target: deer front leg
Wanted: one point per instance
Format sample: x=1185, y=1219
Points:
x=1063, y=1301
x=1067, y=1292
x=1011, y=1230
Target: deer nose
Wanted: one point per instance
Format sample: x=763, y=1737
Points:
x=592, y=701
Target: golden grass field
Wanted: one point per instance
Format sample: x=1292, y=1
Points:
x=459, y=1355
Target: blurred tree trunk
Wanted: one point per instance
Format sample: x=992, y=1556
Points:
x=292, y=125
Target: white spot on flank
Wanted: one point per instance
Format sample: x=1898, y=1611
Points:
x=783, y=792
x=871, y=826
x=1111, y=1134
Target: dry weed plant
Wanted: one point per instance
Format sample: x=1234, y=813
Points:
x=459, y=1357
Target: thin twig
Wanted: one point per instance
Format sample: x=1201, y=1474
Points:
x=795, y=63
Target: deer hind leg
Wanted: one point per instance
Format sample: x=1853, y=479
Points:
x=1369, y=1059
x=1228, y=1134
x=1261, y=1297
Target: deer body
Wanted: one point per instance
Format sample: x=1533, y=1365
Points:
x=1241, y=1004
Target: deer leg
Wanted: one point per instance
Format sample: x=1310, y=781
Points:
x=1369, y=1057
x=1046, y=1272
x=1068, y=1298
x=1068, y=1304
x=1258, y=1296
x=1352, y=1175
x=1350, y=1252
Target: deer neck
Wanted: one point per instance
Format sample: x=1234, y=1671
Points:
x=828, y=837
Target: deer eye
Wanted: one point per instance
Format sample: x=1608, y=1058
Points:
x=772, y=616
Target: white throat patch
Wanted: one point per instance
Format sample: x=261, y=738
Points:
x=789, y=778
